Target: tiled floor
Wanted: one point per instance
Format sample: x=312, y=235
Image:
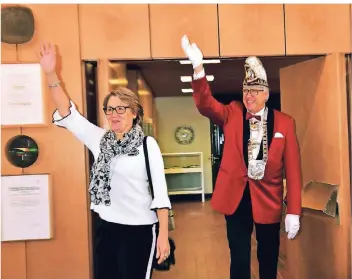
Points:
x=201, y=245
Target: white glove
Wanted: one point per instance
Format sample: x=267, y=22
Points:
x=192, y=52
x=291, y=225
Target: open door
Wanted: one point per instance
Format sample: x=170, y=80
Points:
x=314, y=93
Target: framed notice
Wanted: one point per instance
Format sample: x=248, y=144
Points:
x=26, y=207
x=22, y=96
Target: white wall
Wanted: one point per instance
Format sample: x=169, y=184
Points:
x=176, y=111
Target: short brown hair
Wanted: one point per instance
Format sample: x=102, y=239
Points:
x=129, y=97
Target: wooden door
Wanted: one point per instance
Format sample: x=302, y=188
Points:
x=314, y=93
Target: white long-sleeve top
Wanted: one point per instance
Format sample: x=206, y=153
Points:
x=131, y=202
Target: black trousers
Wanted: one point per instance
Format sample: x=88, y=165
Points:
x=123, y=251
x=239, y=229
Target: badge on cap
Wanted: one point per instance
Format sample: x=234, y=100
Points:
x=255, y=73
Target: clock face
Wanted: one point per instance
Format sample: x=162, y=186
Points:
x=22, y=151
x=184, y=135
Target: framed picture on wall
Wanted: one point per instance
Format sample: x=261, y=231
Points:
x=22, y=96
x=27, y=208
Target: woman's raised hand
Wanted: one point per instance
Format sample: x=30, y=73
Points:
x=47, y=56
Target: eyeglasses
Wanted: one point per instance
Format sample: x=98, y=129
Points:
x=253, y=92
x=118, y=109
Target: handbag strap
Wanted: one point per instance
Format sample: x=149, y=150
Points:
x=146, y=157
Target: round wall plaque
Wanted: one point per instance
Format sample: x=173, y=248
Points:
x=184, y=135
x=22, y=151
x=17, y=25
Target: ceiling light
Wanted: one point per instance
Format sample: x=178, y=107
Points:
x=186, y=78
x=189, y=78
x=210, y=78
x=118, y=81
x=188, y=90
x=212, y=61
x=209, y=61
x=143, y=92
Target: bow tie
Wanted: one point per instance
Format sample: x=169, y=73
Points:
x=249, y=116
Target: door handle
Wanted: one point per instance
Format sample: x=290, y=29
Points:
x=213, y=158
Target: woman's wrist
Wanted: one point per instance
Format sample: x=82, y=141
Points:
x=52, y=78
x=163, y=231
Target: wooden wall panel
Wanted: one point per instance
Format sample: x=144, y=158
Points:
x=350, y=28
x=317, y=29
x=103, y=89
x=13, y=260
x=60, y=154
x=11, y=250
x=6, y=167
x=168, y=23
x=145, y=97
x=8, y=53
x=52, y=26
x=146, y=101
x=114, y=31
x=251, y=29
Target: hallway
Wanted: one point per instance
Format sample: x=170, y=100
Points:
x=201, y=245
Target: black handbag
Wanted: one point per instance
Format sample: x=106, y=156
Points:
x=165, y=265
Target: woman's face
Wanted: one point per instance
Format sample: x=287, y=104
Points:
x=119, y=115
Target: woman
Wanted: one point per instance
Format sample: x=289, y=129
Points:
x=119, y=189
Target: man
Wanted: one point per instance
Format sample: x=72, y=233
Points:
x=259, y=144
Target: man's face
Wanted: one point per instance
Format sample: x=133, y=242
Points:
x=254, y=99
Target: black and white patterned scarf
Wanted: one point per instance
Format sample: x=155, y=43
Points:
x=110, y=147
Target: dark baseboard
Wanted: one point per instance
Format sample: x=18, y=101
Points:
x=185, y=198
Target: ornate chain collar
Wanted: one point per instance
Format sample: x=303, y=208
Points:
x=256, y=168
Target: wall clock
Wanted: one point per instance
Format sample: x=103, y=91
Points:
x=184, y=135
x=22, y=151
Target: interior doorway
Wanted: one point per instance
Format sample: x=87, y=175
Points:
x=302, y=86
x=171, y=79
